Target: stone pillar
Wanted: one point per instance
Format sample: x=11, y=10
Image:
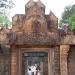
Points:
x=57, y=60
x=6, y=57
x=13, y=62
x=63, y=59
x=51, y=62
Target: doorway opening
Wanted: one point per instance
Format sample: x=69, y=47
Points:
x=35, y=63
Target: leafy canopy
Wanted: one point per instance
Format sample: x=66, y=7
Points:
x=68, y=17
x=4, y=21
x=5, y=6
x=72, y=22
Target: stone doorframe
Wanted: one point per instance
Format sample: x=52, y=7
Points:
x=50, y=52
x=63, y=59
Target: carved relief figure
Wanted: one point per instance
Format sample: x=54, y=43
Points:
x=35, y=20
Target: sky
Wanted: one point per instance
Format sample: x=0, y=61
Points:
x=56, y=6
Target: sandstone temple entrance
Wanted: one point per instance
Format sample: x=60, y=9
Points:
x=36, y=43
x=36, y=61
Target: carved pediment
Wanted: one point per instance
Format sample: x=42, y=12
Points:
x=32, y=28
x=35, y=23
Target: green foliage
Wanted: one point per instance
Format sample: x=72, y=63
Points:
x=68, y=17
x=5, y=5
x=4, y=21
x=66, y=14
x=60, y=24
x=72, y=22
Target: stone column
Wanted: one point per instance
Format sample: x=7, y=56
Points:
x=13, y=61
x=6, y=57
x=51, y=62
x=57, y=60
x=63, y=59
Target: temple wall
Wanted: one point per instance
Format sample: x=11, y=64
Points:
x=71, y=61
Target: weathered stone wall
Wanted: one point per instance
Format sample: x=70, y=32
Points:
x=53, y=23
x=4, y=36
x=17, y=21
x=1, y=64
x=68, y=40
x=71, y=60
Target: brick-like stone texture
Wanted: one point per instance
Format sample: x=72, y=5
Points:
x=57, y=61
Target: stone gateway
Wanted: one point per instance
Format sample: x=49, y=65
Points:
x=35, y=45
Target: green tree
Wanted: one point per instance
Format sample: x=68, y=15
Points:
x=4, y=21
x=66, y=14
x=72, y=22
x=5, y=6
x=68, y=17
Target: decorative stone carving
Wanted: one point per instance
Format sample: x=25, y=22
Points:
x=32, y=28
x=63, y=59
